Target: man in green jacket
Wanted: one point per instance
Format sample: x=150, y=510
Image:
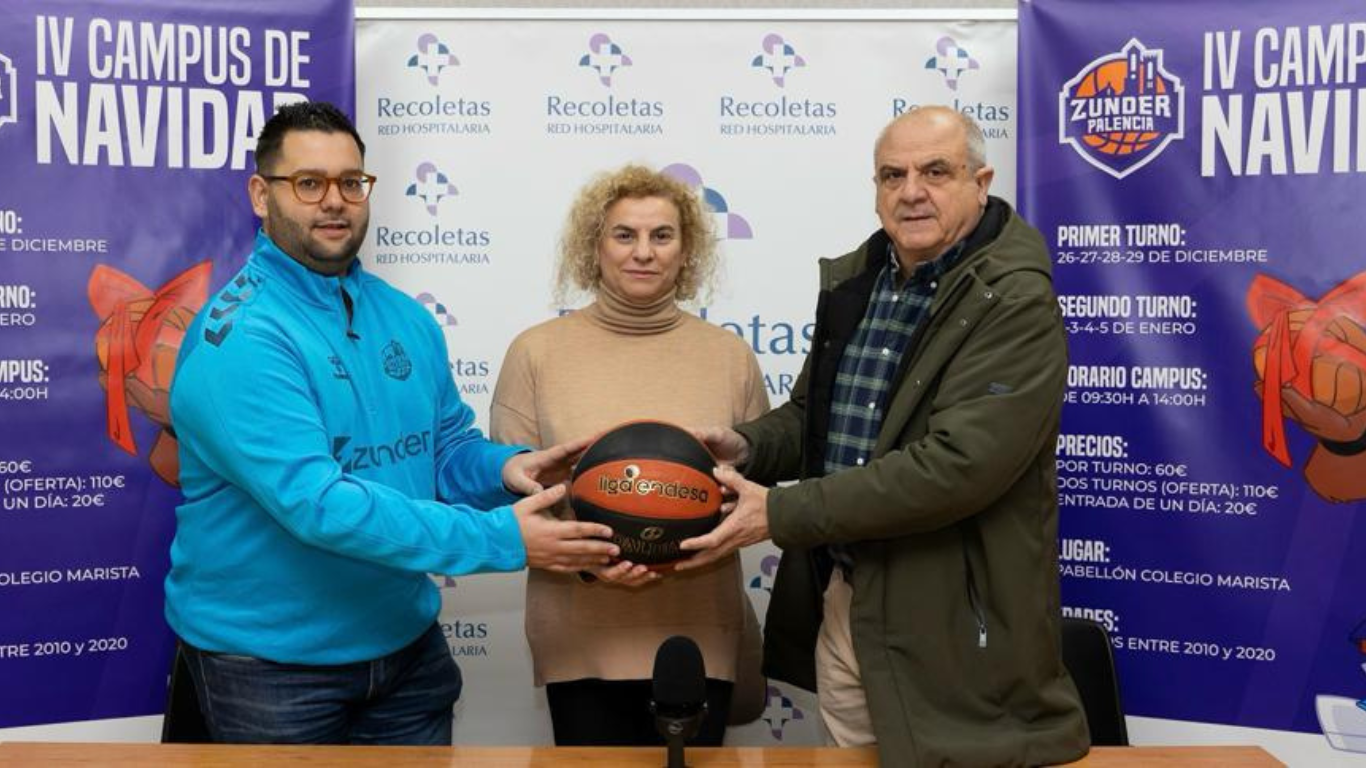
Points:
x=918, y=592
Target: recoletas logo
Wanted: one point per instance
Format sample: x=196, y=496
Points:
x=768, y=570
x=778, y=58
x=444, y=317
x=785, y=114
x=951, y=60
x=467, y=638
x=443, y=111
x=437, y=243
x=432, y=56
x=605, y=57
x=430, y=186
x=780, y=711
x=729, y=226
x=573, y=113
x=1121, y=110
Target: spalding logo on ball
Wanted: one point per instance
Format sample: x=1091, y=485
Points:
x=651, y=482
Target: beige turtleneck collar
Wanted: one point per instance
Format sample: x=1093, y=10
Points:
x=613, y=312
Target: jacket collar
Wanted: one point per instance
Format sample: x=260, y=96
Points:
x=999, y=222
x=315, y=288
x=989, y=227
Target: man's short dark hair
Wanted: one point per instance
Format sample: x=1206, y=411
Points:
x=301, y=116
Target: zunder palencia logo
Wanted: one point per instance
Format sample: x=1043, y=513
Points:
x=1122, y=110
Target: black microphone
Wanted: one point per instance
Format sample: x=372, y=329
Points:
x=678, y=694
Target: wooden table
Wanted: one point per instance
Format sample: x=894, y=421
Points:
x=44, y=755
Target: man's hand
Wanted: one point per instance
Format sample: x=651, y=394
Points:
x=528, y=473
x=727, y=445
x=746, y=524
x=626, y=574
x=565, y=546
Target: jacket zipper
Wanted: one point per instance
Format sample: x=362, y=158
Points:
x=350, y=308
x=975, y=602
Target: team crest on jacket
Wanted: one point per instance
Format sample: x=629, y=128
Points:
x=1122, y=110
x=396, y=362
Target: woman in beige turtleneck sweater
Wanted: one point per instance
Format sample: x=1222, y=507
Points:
x=640, y=242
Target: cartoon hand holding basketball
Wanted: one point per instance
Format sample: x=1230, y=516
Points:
x=136, y=345
x=1310, y=359
x=1323, y=421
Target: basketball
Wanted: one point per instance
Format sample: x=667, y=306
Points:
x=149, y=382
x=651, y=482
x=1338, y=380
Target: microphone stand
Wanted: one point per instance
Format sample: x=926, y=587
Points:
x=676, y=730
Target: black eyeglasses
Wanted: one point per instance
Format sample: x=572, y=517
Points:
x=312, y=187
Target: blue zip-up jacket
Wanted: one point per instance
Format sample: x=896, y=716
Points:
x=327, y=467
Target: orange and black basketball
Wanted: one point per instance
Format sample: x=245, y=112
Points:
x=651, y=482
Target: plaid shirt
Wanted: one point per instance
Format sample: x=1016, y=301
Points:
x=864, y=380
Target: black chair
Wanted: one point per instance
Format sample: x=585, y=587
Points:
x=184, y=721
x=1087, y=655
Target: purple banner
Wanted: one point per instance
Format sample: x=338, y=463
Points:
x=1197, y=169
x=127, y=132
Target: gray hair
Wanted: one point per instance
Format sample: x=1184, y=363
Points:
x=976, y=141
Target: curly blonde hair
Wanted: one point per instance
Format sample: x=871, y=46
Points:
x=578, y=266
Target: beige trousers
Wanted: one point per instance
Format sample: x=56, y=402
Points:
x=844, y=707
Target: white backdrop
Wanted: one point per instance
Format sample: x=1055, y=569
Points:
x=482, y=129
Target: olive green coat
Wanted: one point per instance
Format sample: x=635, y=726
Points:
x=953, y=524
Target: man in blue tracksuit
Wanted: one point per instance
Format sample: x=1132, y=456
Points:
x=328, y=465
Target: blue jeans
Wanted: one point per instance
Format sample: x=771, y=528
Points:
x=403, y=698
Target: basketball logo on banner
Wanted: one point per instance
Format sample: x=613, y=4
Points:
x=1122, y=110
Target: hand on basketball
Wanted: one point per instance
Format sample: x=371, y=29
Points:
x=727, y=445
x=1322, y=421
x=528, y=473
x=564, y=546
x=746, y=524
x=1319, y=420
x=626, y=574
